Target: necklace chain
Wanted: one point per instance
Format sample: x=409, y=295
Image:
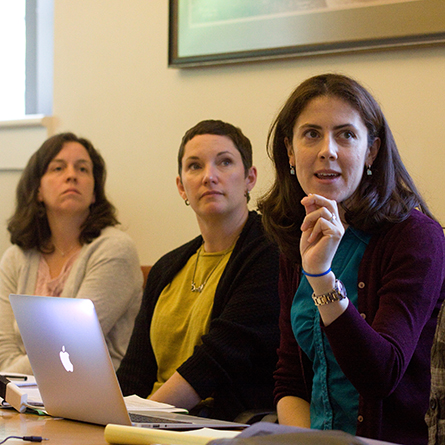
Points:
x=62, y=252
x=200, y=288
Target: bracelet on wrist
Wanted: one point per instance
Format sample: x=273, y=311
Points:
x=315, y=275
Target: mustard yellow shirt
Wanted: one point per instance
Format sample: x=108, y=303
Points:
x=181, y=317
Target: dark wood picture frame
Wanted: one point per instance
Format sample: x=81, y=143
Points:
x=196, y=39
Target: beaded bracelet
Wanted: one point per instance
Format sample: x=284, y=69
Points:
x=315, y=275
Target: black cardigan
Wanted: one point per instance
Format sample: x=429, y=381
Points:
x=236, y=360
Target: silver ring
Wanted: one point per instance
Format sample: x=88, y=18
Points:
x=333, y=218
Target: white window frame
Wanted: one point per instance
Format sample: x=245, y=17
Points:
x=39, y=57
x=21, y=137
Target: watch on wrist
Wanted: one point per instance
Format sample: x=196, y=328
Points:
x=336, y=294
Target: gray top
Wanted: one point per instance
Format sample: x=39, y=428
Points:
x=107, y=271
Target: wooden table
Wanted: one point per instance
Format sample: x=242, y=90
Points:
x=62, y=431
x=58, y=431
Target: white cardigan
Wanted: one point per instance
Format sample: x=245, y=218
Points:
x=107, y=271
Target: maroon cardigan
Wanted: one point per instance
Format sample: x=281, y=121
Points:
x=383, y=347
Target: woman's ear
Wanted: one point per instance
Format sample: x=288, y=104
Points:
x=373, y=151
x=290, y=151
x=251, y=178
x=180, y=187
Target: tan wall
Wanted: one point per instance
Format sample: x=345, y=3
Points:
x=112, y=85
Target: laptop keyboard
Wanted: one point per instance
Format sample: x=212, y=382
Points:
x=143, y=418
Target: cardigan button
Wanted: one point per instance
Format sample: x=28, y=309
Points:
x=360, y=419
x=363, y=315
x=361, y=285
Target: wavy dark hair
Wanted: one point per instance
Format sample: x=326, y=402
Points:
x=220, y=128
x=386, y=197
x=28, y=226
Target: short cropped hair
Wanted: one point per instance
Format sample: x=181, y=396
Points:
x=219, y=128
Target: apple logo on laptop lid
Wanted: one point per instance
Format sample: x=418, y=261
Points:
x=65, y=359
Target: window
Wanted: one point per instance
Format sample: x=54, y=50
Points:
x=26, y=57
x=12, y=58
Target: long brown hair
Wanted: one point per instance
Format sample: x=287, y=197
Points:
x=29, y=226
x=388, y=196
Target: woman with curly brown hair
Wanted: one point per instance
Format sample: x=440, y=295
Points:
x=65, y=244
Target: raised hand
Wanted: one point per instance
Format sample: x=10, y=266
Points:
x=322, y=231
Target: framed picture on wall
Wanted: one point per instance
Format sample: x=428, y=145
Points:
x=227, y=31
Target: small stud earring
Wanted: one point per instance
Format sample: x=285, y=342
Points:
x=187, y=203
x=292, y=170
x=369, y=171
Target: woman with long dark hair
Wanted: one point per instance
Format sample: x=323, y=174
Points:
x=362, y=267
x=65, y=244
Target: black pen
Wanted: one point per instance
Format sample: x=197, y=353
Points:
x=15, y=377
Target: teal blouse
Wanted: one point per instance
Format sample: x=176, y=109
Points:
x=334, y=401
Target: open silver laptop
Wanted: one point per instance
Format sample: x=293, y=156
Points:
x=73, y=369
